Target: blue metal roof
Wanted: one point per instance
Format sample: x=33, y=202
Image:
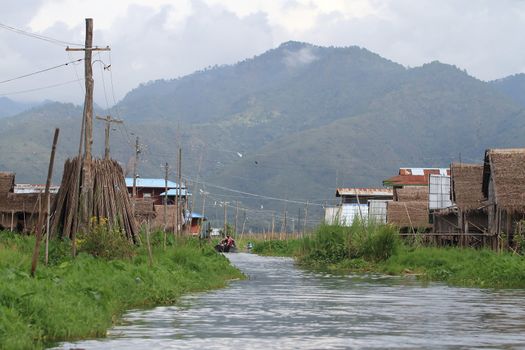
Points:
x=175, y=191
x=195, y=215
x=150, y=183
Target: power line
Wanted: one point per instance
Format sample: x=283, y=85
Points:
x=41, y=71
x=252, y=194
x=40, y=88
x=39, y=36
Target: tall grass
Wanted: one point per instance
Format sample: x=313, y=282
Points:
x=378, y=248
x=82, y=298
x=332, y=244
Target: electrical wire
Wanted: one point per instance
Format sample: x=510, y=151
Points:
x=41, y=71
x=40, y=88
x=39, y=36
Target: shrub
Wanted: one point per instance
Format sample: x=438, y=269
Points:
x=105, y=242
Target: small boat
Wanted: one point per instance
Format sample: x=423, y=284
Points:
x=223, y=248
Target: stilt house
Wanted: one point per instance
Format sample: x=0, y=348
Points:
x=410, y=210
x=504, y=191
x=467, y=195
x=19, y=211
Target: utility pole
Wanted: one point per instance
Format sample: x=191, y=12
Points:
x=305, y=217
x=285, y=224
x=86, y=195
x=137, y=152
x=225, y=218
x=243, y=223
x=166, y=169
x=108, y=120
x=236, y=215
x=178, y=193
x=273, y=224
x=203, y=207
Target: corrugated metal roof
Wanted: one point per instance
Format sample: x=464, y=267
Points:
x=150, y=183
x=31, y=188
x=407, y=180
x=376, y=192
x=424, y=171
x=175, y=191
x=197, y=215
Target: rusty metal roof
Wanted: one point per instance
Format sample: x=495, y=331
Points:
x=424, y=171
x=364, y=192
x=407, y=180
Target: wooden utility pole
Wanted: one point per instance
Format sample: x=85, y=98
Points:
x=273, y=224
x=285, y=224
x=86, y=194
x=108, y=120
x=181, y=207
x=40, y=222
x=178, y=194
x=137, y=152
x=236, y=216
x=243, y=223
x=305, y=218
x=225, y=217
x=166, y=169
x=203, y=207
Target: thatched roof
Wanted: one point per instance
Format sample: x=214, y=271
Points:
x=466, y=182
x=417, y=214
x=506, y=167
x=411, y=193
x=7, y=182
x=22, y=202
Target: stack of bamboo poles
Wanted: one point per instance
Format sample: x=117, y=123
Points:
x=110, y=200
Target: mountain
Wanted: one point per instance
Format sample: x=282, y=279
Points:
x=9, y=107
x=293, y=122
x=512, y=86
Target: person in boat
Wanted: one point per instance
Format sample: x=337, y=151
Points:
x=230, y=242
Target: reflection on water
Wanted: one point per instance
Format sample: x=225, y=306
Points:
x=287, y=308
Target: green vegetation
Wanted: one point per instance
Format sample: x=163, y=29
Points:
x=378, y=248
x=275, y=247
x=83, y=297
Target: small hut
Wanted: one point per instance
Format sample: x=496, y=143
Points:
x=466, y=187
x=504, y=191
x=144, y=210
x=18, y=211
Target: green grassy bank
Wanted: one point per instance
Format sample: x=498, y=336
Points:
x=378, y=249
x=82, y=298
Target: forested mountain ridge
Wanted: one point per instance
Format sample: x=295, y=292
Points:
x=292, y=122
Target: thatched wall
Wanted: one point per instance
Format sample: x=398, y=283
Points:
x=507, y=169
x=411, y=193
x=159, y=217
x=466, y=183
x=7, y=183
x=417, y=214
x=144, y=208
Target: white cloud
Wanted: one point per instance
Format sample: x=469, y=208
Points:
x=153, y=39
x=301, y=57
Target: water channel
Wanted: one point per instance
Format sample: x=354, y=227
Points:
x=283, y=307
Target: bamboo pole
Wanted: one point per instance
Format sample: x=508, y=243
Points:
x=38, y=233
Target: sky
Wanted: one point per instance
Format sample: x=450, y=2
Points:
x=166, y=39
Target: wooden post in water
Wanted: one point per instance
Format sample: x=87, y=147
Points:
x=38, y=233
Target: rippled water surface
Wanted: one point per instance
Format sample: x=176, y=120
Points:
x=282, y=307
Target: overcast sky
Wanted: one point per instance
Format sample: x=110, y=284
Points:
x=154, y=39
